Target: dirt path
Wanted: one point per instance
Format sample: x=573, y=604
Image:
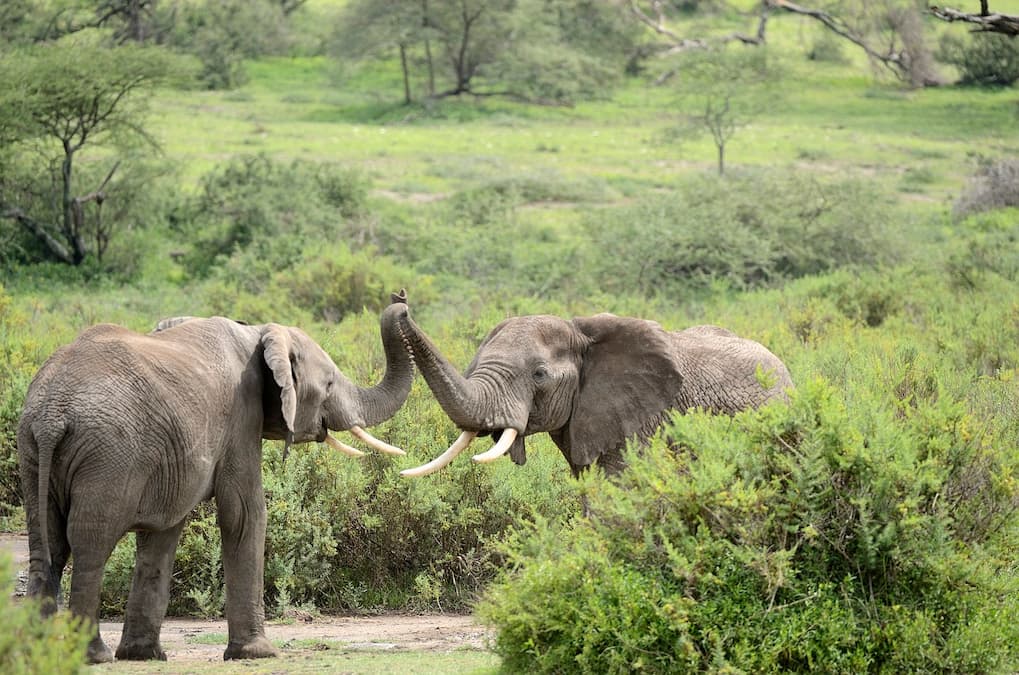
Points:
x=182, y=639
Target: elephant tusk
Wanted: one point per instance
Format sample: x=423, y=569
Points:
x=381, y=446
x=342, y=447
x=459, y=445
x=500, y=448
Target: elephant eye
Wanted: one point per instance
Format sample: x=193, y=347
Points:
x=540, y=373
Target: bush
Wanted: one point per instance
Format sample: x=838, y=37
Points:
x=30, y=644
x=987, y=59
x=994, y=186
x=223, y=34
x=276, y=210
x=747, y=231
x=795, y=538
x=481, y=239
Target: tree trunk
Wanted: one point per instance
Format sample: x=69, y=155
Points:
x=406, y=74
x=71, y=231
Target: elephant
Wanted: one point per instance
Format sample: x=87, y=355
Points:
x=127, y=432
x=591, y=383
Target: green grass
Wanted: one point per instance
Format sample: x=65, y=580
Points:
x=834, y=119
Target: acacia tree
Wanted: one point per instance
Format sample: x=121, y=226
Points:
x=548, y=51
x=726, y=89
x=57, y=100
x=890, y=32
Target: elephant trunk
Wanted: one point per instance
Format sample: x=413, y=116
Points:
x=380, y=402
x=459, y=397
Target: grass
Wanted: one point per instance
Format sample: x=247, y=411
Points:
x=832, y=119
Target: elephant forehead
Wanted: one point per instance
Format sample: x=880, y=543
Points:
x=531, y=332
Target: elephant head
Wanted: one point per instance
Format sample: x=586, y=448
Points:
x=592, y=383
x=303, y=372
x=305, y=395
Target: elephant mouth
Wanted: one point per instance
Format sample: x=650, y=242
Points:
x=506, y=440
x=324, y=436
x=517, y=449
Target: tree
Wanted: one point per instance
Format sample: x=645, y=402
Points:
x=728, y=89
x=57, y=100
x=890, y=32
x=986, y=21
x=139, y=21
x=549, y=51
x=374, y=29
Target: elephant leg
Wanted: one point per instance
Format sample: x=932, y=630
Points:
x=242, y=521
x=150, y=592
x=90, y=550
x=43, y=580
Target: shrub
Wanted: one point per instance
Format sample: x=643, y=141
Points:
x=793, y=538
x=994, y=186
x=747, y=231
x=30, y=644
x=276, y=210
x=987, y=59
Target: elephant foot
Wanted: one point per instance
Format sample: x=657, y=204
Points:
x=257, y=648
x=140, y=650
x=98, y=652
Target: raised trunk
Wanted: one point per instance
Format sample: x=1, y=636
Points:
x=457, y=395
x=381, y=402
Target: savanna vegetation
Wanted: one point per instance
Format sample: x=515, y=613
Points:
x=842, y=188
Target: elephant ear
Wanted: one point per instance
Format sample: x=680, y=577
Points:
x=630, y=376
x=277, y=348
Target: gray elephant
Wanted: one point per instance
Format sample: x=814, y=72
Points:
x=123, y=432
x=591, y=383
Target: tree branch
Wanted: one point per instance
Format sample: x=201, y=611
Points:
x=1006, y=24
x=891, y=59
x=58, y=249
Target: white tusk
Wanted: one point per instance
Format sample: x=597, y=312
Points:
x=459, y=445
x=342, y=447
x=500, y=448
x=381, y=446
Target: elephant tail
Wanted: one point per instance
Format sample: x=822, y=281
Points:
x=45, y=446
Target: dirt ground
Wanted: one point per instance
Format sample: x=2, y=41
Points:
x=418, y=632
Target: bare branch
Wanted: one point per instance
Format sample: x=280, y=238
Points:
x=33, y=226
x=891, y=59
x=1006, y=24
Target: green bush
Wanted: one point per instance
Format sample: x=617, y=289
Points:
x=987, y=59
x=795, y=538
x=746, y=231
x=270, y=211
x=30, y=644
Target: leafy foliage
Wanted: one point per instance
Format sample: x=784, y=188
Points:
x=221, y=34
x=60, y=99
x=272, y=208
x=31, y=644
x=982, y=60
x=792, y=538
x=750, y=231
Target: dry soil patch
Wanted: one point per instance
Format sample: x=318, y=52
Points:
x=184, y=640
